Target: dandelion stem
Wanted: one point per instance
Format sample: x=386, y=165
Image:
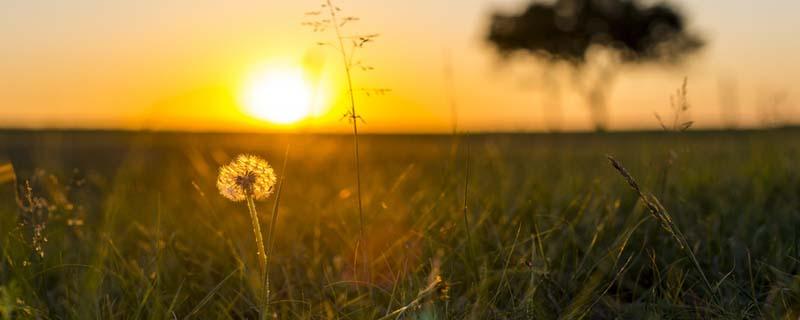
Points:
x=261, y=253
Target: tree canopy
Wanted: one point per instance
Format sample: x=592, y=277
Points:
x=566, y=29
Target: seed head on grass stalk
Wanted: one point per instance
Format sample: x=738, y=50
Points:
x=679, y=103
x=250, y=178
x=330, y=17
x=664, y=219
x=681, y=122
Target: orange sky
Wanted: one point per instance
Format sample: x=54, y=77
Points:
x=181, y=64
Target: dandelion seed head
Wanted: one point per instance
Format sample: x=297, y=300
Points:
x=248, y=175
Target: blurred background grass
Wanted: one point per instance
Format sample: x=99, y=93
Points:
x=135, y=228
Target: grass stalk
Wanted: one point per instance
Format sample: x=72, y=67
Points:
x=449, y=89
x=465, y=208
x=470, y=252
x=354, y=117
x=271, y=233
x=422, y=296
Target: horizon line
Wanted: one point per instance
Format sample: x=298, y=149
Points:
x=79, y=130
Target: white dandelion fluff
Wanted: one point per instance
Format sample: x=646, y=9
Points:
x=247, y=176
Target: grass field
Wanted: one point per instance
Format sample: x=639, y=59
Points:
x=131, y=226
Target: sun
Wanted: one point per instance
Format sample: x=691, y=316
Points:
x=281, y=96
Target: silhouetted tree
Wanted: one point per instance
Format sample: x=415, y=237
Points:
x=627, y=31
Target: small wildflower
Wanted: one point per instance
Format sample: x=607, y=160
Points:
x=247, y=176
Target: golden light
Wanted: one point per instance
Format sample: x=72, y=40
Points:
x=280, y=96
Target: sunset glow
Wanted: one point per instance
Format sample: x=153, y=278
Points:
x=281, y=96
x=207, y=81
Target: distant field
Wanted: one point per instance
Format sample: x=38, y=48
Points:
x=136, y=229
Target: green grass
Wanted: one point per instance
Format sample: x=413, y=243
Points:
x=556, y=232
